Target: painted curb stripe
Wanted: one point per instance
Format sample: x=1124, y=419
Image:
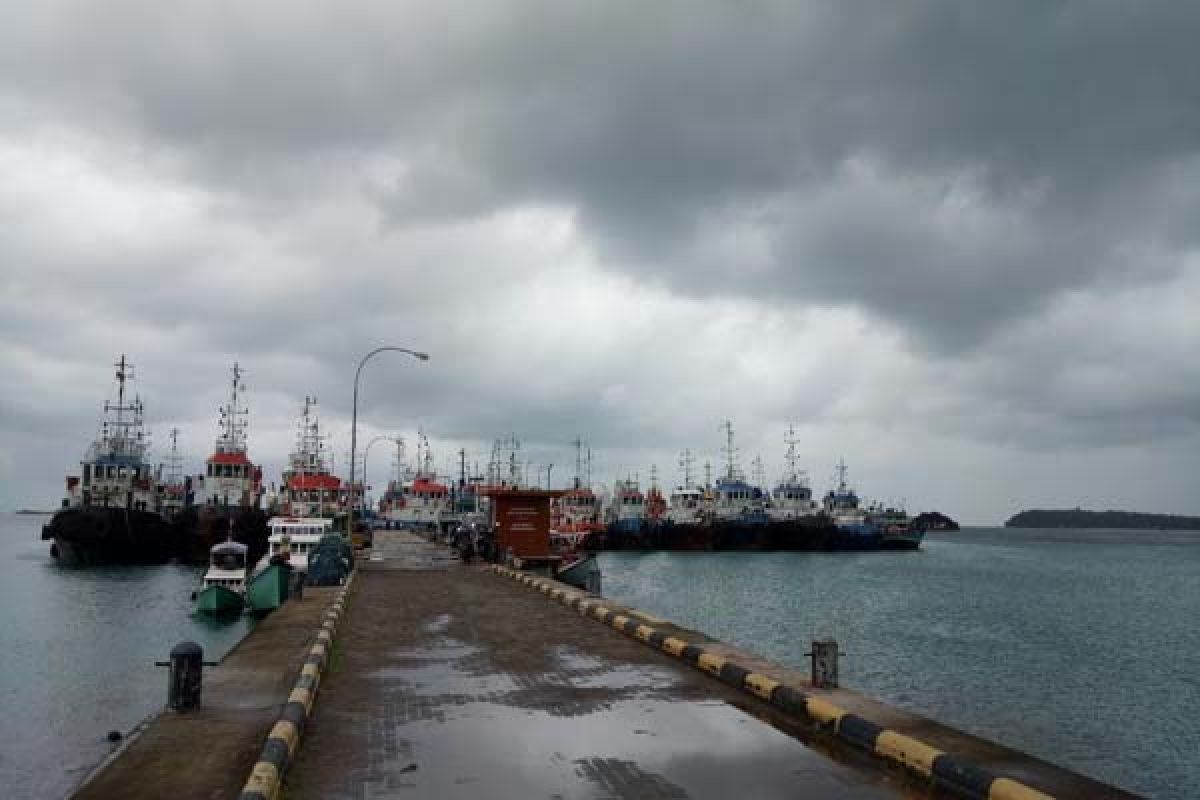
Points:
x=284, y=738
x=823, y=710
x=1008, y=789
x=859, y=731
x=791, y=700
x=674, y=646
x=733, y=674
x=954, y=773
x=710, y=663
x=761, y=685
x=948, y=771
x=914, y=754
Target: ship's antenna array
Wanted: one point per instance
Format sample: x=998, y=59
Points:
x=792, y=457
x=578, y=444
x=174, y=461
x=841, y=475
x=399, y=463
x=686, y=462
x=121, y=432
x=233, y=417
x=707, y=474
x=760, y=471
x=731, y=469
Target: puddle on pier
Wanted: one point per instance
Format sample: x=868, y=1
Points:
x=453, y=725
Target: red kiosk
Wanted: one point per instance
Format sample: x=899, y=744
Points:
x=521, y=520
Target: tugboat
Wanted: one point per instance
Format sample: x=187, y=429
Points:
x=225, y=581
x=627, y=516
x=426, y=500
x=229, y=493
x=874, y=528
x=112, y=512
x=686, y=525
x=577, y=510
x=740, y=520
x=795, y=519
x=309, y=489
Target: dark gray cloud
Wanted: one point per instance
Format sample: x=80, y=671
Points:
x=929, y=221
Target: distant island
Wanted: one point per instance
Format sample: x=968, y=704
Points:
x=1079, y=518
x=934, y=521
x=32, y=511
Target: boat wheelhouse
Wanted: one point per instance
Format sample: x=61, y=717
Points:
x=292, y=539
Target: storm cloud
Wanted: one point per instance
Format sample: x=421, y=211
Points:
x=954, y=244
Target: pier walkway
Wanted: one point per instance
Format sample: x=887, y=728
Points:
x=449, y=681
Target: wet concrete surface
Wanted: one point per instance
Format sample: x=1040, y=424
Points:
x=457, y=683
x=209, y=753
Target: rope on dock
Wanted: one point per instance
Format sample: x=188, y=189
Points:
x=279, y=751
x=946, y=770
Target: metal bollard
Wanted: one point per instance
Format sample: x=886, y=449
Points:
x=824, y=663
x=185, y=677
x=296, y=588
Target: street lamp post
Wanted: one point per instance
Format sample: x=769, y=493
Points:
x=354, y=422
x=366, y=455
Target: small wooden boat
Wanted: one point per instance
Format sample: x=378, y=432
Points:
x=225, y=581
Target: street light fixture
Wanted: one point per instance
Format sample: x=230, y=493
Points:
x=354, y=422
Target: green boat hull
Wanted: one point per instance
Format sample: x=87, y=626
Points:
x=218, y=600
x=268, y=589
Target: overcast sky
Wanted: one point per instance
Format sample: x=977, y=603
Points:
x=952, y=243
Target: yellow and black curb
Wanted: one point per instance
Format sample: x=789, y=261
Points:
x=946, y=770
x=284, y=739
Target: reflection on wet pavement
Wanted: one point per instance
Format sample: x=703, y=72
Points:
x=452, y=703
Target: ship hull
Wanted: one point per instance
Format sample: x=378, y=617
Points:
x=583, y=574
x=219, y=600
x=107, y=535
x=202, y=527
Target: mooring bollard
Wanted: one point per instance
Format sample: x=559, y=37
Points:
x=296, y=587
x=824, y=663
x=185, y=676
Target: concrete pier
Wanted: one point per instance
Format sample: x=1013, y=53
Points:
x=443, y=680
x=464, y=684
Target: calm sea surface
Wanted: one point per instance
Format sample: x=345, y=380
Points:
x=77, y=653
x=1082, y=647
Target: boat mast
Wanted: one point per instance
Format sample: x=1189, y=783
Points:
x=578, y=444
x=760, y=471
x=686, y=462
x=121, y=435
x=174, y=461
x=233, y=418
x=731, y=471
x=841, y=473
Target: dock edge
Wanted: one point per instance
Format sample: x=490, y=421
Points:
x=283, y=741
x=946, y=770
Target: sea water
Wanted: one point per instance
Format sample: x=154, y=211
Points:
x=1080, y=647
x=77, y=653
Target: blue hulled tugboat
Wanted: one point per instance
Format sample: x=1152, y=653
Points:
x=113, y=510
